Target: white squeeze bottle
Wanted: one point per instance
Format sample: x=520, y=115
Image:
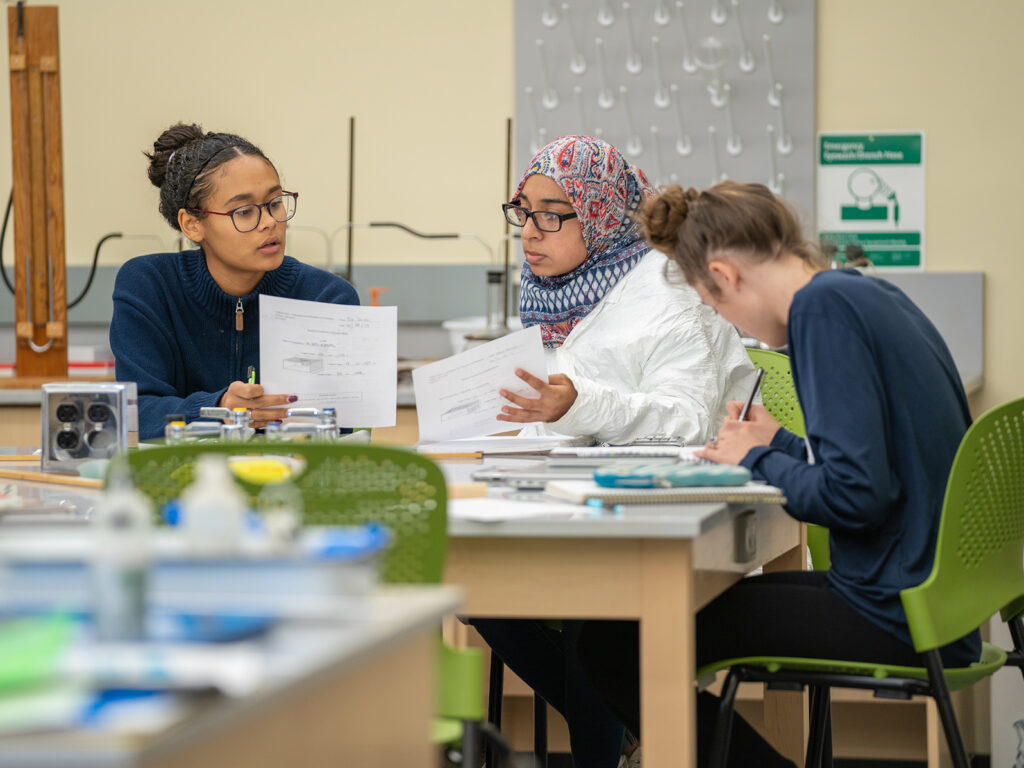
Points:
x=120, y=563
x=213, y=507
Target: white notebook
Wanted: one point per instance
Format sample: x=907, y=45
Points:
x=581, y=491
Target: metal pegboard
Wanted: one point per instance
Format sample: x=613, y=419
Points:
x=692, y=92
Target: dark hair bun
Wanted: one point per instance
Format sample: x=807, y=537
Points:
x=169, y=142
x=663, y=215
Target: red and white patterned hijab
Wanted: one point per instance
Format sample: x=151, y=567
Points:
x=605, y=191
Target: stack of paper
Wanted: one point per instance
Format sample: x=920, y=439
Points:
x=580, y=491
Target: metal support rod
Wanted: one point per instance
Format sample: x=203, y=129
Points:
x=351, y=192
x=506, y=296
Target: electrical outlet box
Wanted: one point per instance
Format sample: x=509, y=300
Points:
x=745, y=536
x=84, y=420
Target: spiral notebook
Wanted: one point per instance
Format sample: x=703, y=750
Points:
x=581, y=491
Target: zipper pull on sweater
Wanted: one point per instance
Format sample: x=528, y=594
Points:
x=239, y=315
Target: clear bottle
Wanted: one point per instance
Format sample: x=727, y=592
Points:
x=273, y=430
x=175, y=432
x=495, y=300
x=213, y=507
x=121, y=529
x=280, y=506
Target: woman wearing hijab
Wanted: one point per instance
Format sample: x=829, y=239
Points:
x=631, y=354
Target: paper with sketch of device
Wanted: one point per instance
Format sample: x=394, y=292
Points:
x=331, y=356
x=458, y=396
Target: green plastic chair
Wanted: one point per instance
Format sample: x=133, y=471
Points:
x=977, y=571
x=347, y=484
x=341, y=484
x=777, y=391
x=778, y=394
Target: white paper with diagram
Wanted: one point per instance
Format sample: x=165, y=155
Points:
x=338, y=356
x=458, y=396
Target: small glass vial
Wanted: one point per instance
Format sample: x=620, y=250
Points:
x=174, y=432
x=273, y=431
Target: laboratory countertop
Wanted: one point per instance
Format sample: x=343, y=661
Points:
x=294, y=656
x=24, y=394
x=28, y=392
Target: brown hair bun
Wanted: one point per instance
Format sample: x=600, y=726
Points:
x=663, y=215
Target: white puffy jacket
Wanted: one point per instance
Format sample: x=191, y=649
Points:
x=649, y=360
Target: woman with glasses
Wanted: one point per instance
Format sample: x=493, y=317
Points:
x=186, y=325
x=631, y=355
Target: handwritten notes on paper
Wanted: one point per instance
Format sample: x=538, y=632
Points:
x=331, y=356
x=458, y=396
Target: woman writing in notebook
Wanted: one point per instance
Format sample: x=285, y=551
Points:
x=630, y=355
x=884, y=411
x=185, y=326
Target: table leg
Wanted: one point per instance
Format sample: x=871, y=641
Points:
x=668, y=707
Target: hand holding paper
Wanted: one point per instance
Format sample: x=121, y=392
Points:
x=552, y=400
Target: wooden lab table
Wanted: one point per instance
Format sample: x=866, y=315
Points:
x=658, y=568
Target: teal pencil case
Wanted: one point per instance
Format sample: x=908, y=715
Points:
x=633, y=475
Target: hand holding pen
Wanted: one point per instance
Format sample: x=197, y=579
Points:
x=249, y=394
x=746, y=426
x=753, y=393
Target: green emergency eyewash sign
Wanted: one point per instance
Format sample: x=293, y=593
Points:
x=871, y=195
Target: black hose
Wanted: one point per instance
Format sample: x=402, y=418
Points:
x=3, y=234
x=92, y=269
x=412, y=231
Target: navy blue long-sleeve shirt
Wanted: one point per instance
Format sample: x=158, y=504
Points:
x=173, y=330
x=884, y=411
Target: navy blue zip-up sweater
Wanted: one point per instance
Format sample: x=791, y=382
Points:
x=173, y=331
x=884, y=411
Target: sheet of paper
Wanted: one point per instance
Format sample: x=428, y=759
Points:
x=332, y=356
x=458, y=396
x=499, y=510
x=503, y=444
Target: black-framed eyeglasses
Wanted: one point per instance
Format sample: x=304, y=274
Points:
x=545, y=221
x=247, y=217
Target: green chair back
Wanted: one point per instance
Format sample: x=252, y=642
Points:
x=778, y=394
x=341, y=484
x=462, y=670
x=346, y=484
x=978, y=559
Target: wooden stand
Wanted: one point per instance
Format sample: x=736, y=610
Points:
x=38, y=180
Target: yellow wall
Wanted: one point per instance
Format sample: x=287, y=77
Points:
x=952, y=70
x=431, y=85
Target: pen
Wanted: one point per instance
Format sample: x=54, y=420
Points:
x=750, y=400
x=252, y=374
